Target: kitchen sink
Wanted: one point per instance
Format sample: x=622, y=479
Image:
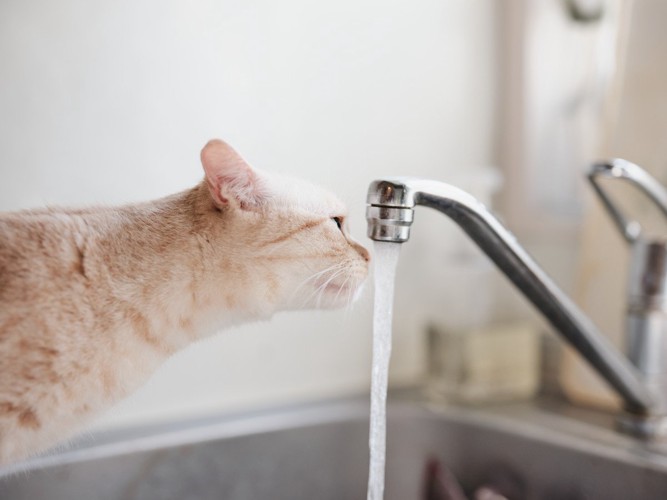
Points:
x=530, y=450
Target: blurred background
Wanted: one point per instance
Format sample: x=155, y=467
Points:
x=107, y=103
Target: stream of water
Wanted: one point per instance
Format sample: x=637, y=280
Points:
x=386, y=258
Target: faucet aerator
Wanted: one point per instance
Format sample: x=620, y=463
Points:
x=389, y=223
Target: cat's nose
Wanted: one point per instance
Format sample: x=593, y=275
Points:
x=365, y=254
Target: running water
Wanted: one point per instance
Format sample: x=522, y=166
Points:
x=386, y=258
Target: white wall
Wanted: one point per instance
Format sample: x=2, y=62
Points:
x=111, y=102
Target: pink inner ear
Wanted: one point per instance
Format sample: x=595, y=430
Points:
x=229, y=176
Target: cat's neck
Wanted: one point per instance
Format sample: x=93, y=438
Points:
x=159, y=256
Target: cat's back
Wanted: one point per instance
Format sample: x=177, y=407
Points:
x=39, y=250
x=47, y=327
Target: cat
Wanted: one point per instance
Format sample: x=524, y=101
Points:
x=92, y=301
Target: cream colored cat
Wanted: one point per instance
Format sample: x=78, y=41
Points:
x=92, y=301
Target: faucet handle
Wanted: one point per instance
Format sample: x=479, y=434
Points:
x=622, y=169
x=646, y=312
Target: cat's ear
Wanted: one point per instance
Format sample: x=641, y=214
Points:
x=229, y=177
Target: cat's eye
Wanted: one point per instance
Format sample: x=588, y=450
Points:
x=338, y=221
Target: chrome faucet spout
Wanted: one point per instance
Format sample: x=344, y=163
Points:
x=391, y=204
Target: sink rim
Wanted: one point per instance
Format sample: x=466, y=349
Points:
x=541, y=420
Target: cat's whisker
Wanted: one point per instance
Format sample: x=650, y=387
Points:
x=321, y=289
x=332, y=269
x=325, y=286
x=342, y=287
x=335, y=267
x=352, y=295
x=349, y=300
x=319, y=292
x=315, y=276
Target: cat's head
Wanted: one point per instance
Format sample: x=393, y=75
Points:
x=291, y=248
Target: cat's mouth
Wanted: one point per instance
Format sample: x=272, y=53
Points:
x=339, y=288
x=329, y=287
x=343, y=287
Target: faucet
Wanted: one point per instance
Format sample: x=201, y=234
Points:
x=640, y=379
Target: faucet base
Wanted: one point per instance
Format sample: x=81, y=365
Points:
x=647, y=427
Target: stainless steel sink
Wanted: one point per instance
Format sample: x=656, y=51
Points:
x=532, y=450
